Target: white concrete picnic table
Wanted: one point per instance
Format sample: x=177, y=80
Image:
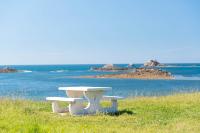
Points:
x=77, y=95
x=92, y=94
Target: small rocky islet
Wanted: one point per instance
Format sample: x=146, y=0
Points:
x=149, y=71
x=111, y=67
x=8, y=70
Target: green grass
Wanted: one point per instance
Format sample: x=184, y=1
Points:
x=177, y=113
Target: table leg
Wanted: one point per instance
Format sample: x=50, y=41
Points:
x=76, y=108
x=93, y=98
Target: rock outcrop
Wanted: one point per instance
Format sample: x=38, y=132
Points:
x=152, y=63
x=110, y=67
x=131, y=66
x=7, y=70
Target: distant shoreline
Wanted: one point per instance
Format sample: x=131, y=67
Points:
x=140, y=73
x=120, y=76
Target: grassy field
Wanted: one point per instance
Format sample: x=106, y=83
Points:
x=177, y=113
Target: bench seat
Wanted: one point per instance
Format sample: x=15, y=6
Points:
x=112, y=98
x=114, y=104
x=55, y=106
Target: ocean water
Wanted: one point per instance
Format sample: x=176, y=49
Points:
x=36, y=82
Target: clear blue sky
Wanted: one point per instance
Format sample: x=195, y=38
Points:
x=103, y=31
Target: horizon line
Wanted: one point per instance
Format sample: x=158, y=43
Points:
x=94, y=63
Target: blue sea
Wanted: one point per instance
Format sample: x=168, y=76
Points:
x=36, y=82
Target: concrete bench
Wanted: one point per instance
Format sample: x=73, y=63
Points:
x=114, y=104
x=76, y=102
x=76, y=106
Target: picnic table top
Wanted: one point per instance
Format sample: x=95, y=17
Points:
x=85, y=88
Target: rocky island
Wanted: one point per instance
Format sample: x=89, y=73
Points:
x=111, y=67
x=7, y=70
x=139, y=73
x=149, y=70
